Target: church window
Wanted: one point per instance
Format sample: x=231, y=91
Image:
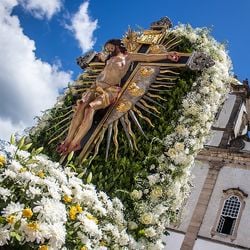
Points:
x=229, y=214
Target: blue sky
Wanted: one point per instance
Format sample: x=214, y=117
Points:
x=40, y=40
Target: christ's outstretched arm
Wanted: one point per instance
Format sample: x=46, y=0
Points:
x=173, y=56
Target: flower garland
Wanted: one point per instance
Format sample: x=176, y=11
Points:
x=159, y=197
x=33, y=188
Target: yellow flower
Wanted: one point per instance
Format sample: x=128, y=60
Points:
x=27, y=213
x=91, y=217
x=67, y=198
x=41, y=174
x=73, y=212
x=84, y=248
x=79, y=208
x=33, y=226
x=11, y=219
x=23, y=169
x=43, y=247
x=2, y=160
x=103, y=243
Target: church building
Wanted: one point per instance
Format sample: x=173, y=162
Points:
x=216, y=215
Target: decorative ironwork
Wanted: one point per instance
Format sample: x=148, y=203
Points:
x=164, y=22
x=83, y=61
x=199, y=61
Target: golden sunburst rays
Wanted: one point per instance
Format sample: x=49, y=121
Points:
x=115, y=138
x=98, y=141
x=59, y=126
x=68, y=115
x=170, y=42
x=87, y=79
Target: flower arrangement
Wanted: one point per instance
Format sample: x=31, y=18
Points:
x=44, y=206
x=34, y=189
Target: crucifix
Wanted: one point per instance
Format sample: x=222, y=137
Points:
x=127, y=82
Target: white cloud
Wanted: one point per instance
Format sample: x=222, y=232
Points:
x=28, y=85
x=42, y=8
x=83, y=27
x=8, y=128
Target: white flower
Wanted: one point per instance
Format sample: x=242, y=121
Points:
x=15, y=166
x=124, y=238
x=156, y=193
x=4, y=193
x=13, y=208
x=32, y=231
x=147, y=218
x=150, y=232
x=153, y=179
x=57, y=234
x=9, y=174
x=33, y=191
x=136, y=194
x=50, y=210
x=179, y=146
x=181, y=130
x=4, y=236
x=89, y=226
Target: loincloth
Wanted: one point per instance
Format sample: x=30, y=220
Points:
x=100, y=97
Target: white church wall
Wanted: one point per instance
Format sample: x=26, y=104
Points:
x=229, y=177
x=225, y=112
x=173, y=241
x=247, y=146
x=199, y=173
x=215, y=138
x=201, y=244
x=239, y=121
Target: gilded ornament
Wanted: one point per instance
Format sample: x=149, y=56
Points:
x=157, y=49
x=146, y=71
x=135, y=90
x=124, y=106
x=150, y=37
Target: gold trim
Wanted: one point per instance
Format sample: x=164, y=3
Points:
x=150, y=106
x=100, y=139
x=169, y=71
x=130, y=130
x=115, y=140
x=61, y=134
x=143, y=117
x=156, y=96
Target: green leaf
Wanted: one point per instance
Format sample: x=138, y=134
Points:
x=39, y=150
x=70, y=156
x=21, y=142
x=89, y=178
x=15, y=235
x=72, y=166
x=12, y=139
x=27, y=146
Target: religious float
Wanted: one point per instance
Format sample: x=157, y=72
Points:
x=128, y=178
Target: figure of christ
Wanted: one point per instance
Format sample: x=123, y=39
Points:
x=105, y=90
